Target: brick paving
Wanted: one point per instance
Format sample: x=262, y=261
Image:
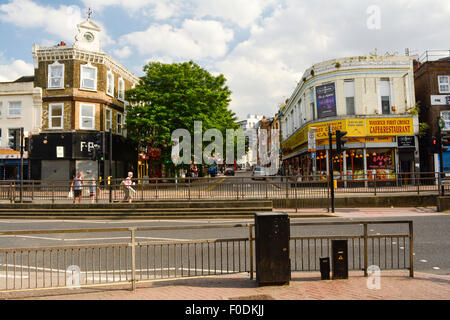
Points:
x=395, y=285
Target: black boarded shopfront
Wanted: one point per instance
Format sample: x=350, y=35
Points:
x=58, y=156
x=406, y=147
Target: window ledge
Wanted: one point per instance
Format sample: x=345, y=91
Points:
x=60, y=88
x=87, y=89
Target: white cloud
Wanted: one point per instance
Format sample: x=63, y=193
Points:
x=195, y=39
x=14, y=70
x=61, y=21
x=242, y=13
x=123, y=52
x=26, y=14
x=264, y=70
x=158, y=9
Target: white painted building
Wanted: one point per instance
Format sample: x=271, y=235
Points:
x=367, y=96
x=251, y=122
x=20, y=106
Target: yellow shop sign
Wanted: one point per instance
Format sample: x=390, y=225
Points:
x=389, y=127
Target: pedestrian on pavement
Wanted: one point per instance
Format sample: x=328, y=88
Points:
x=77, y=187
x=127, y=183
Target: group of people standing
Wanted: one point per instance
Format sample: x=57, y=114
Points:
x=76, y=188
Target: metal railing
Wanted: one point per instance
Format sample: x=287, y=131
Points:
x=221, y=187
x=133, y=262
x=57, y=267
x=394, y=252
x=434, y=55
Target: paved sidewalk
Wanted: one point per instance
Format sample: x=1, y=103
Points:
x=394, y=285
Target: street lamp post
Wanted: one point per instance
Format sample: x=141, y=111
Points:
x=280, y=149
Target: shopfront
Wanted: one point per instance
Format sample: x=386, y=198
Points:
x=375, y=149
x=58, y=156
x=150, y=164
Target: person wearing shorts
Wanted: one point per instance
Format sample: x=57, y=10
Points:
x=76, y=186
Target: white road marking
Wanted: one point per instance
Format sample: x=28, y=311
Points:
x=93, y=239
x=13, y=277
x=436, y=268
x=423, y=260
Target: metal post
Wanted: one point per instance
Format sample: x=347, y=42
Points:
x=32, y=190
x=189, y=188
x=366, y=250
x=53, y=192
x=11, y=197
x=251, y=250
x=295, y=191
x=21, y=165
x=375, y=184
x=110, y=164
x=331, y=172
x=133, y=259
x=411, y=249
x=287, y=190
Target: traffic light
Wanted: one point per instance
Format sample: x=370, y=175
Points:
x=340, y=143
x=93, y=154
x=434, y=145
x=15, y=140
x=98, y=140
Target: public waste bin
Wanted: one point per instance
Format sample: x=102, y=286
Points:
x=324, y=268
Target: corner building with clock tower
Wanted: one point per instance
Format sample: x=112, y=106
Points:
x=83, y=100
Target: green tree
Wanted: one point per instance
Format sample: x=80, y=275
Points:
x=173, y=96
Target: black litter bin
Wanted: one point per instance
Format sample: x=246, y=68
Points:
x=325, y=268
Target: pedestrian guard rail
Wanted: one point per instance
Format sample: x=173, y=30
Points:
x=224, y=187
x=145, y=254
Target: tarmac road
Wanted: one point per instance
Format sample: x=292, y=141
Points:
x=431, y=236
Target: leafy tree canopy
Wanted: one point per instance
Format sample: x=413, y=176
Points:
x=173, y=96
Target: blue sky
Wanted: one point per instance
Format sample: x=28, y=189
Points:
x=261, y=46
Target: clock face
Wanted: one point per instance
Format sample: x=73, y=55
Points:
x=89, y=36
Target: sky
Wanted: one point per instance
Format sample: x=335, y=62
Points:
x=262, y=47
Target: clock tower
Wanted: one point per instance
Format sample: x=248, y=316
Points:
x=88, y=37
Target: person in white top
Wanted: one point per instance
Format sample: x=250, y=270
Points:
x=127, y=183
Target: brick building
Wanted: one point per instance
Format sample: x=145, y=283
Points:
x=432, y=85
x=83, y=94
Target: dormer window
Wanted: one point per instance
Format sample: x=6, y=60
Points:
x=110, y=83
x=55, y=76
x=88, y=78
x=121, y=93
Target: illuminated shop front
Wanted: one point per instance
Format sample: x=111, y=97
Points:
x=371, y=152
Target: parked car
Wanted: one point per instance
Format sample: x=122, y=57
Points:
x=259, y=173
x=229, y=171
